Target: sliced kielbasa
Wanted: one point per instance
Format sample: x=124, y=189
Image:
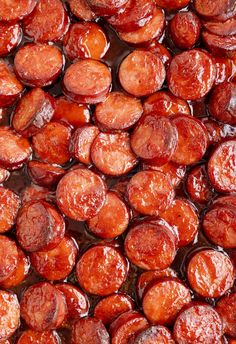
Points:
x=160, y=51
x=154, y=335
x=154, y=139
x=172, y=5
x=225, y=200
x=33, y=111
x=81, y=9
x=112, y=306
x=118, y=112
x=191, y=74
x=57, y=136
x=215, y=130
x=212, y=8
x=43, y=307
x=222, y=166
x=48, y=22
x=9, y=314
x=210, y=273
x=87, y=81
x=112, y=220
x=81, y=194
x=32, y=337
x=10, y=37
x=198, y=185
x=55, y=264
x=16, y=10
x=158, y=252
x=39, y=226
x=150, y=192
x=36, y=193
x=226, y=307
x=8, y=258
x=85, y=40
x=10, y=87
x=112, y=154
x=9, y=206
x=90, y=331
x=107, y=7
x=4, y=175
x=38, y=65
x=163, y=300
x=101, y=270
x=44, y=174
x=138, y=67
x=224, y=28
x=224, y=69
x=198, y=323
x=219, y=45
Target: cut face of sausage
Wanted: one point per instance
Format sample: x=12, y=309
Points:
x=112, y=306
x=10, y=37
x=224, y=28
x=154, y=139
x=4, y=175
x=198, y=324
x=112, y=154
x=222, y=167
x=192, y=140
x=158, y=252
x=107, y=7
x=85, y=40
x=172, y=5
x=9, y=206
x=90, y=331
x=36, y=193
x=101, y=270
x=44, y=174
x=191, y=74
x=118, y=112
x=39, y=226
x=14, y=10
x=211, y=8
x=48, y=22
x=225, y=201
x=210, y=273
x=219, y=45
x=226, y=308
x=224, y=69
x=33, y=111
x=43, y=307
x=164, y=299
x=154, y=335
x=9, y=314
x=138, y=67
x=8, y=257
x=32, y=337
x=81, y=194
x=150, y=192
x=81, y=9
x=38, y=65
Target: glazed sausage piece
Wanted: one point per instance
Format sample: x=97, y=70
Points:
x=224, y=69
x=10, y=37
x=90, y=331
x=118, y=112
x=183, y=216
x=224, y=28
x=225, y=200
x=101, y=270
x=31, y=337
x=164, y=103
x=219, y=45
x=222, y=104
x=172, y=5
x=14, y=10
x=81, y=194
x=221, y=167
x=9, y=314
x=38, y=65
x=213, y=8
x=164, y=299
x=107, y=7
x=154, y=139
x=10, y=87
x=8, y=257
x=158, y=252
x=192, y=140
x=87, y=81
x=48, y=22
x=72, y=113
x=185, y=29
x=198, y=323
x=219, y=225
x=154, y=335
x=147, y=277
x=138, y=67
x=4, y=175
x=81, y=9
x=227, y=310
x=215, y=130
x=36, y=193
x=43, y=307
x=57, y=136
x=127, y=326
x=173, y=171
x=20, y=273
x=160, y=51
x=76, y=300
x=198, y=185
x=112, y=154
x=81, y=142
x=34, y=110
x=150, y=192
x=44, y=174
x=191, y=74
x=112, y=220
x=10, y=204
x=111, y=307
x=153, y=29
x=210, y=273
x=85, y=40
x=39, y=226
x=55, y=264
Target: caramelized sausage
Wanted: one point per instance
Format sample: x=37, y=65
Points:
x=10, y=87
x=10, y=37
x=90, y=331
x=9, y=315
x=10, y=204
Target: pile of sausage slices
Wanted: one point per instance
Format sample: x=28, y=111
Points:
x=117, y=171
